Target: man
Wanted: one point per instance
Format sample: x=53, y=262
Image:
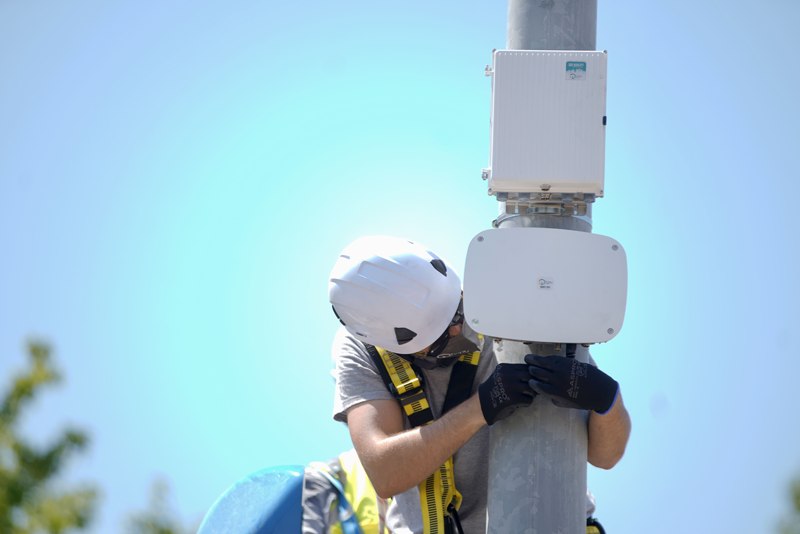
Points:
x=397, y=296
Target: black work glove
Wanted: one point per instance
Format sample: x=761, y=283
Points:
x=505, y=391
x=572, y=384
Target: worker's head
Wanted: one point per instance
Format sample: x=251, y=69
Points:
x=395, y=294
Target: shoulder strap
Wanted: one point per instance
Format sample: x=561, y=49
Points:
x=404, y=381
x=461, y=380
x=376, y=359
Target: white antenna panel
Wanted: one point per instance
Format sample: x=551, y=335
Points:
x=547, y=122
x=545, y=285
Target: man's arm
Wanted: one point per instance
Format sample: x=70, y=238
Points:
x=608, y=435
x=574, y=384
x=397, y=460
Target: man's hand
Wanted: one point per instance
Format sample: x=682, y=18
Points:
x=572, y=384
x=505, y=391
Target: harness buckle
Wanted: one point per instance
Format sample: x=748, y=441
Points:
x=453, y=519
x=400, y=396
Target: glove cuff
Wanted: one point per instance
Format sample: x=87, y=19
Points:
x=486, y=405
x=613, y=401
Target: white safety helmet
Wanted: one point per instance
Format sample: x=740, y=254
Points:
x=393, y=293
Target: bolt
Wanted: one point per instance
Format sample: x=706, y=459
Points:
x=610, y=330
x=480, y=238
x=614, y=247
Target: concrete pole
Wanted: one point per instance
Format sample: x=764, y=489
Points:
x=537, y=459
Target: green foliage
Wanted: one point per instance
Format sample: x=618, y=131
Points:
x=28, y=505
x=159, y=517
x=791, y=525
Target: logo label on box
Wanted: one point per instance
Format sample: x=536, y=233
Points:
x=544, y=283
x=576, y=70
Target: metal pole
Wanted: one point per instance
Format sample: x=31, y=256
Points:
x=552, y=25
x=537, y=458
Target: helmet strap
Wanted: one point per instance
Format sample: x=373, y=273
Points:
x=429, y=363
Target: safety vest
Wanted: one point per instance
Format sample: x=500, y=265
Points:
x=438, y=495
x=357, y=506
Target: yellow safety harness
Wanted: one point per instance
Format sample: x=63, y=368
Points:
x=438, y=494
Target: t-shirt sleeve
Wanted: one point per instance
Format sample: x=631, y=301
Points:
x=357, y=378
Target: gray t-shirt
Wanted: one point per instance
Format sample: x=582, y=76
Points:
x=358, y=380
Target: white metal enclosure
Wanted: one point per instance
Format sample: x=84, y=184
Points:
x=548, y=122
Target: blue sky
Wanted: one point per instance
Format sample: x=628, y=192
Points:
x=176, y=180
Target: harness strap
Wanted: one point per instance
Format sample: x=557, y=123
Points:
x=438, y=495
x=460, y=386
x=404, y=381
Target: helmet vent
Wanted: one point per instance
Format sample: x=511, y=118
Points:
x=404, y=335
x=337, y=315
x=439, y=266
